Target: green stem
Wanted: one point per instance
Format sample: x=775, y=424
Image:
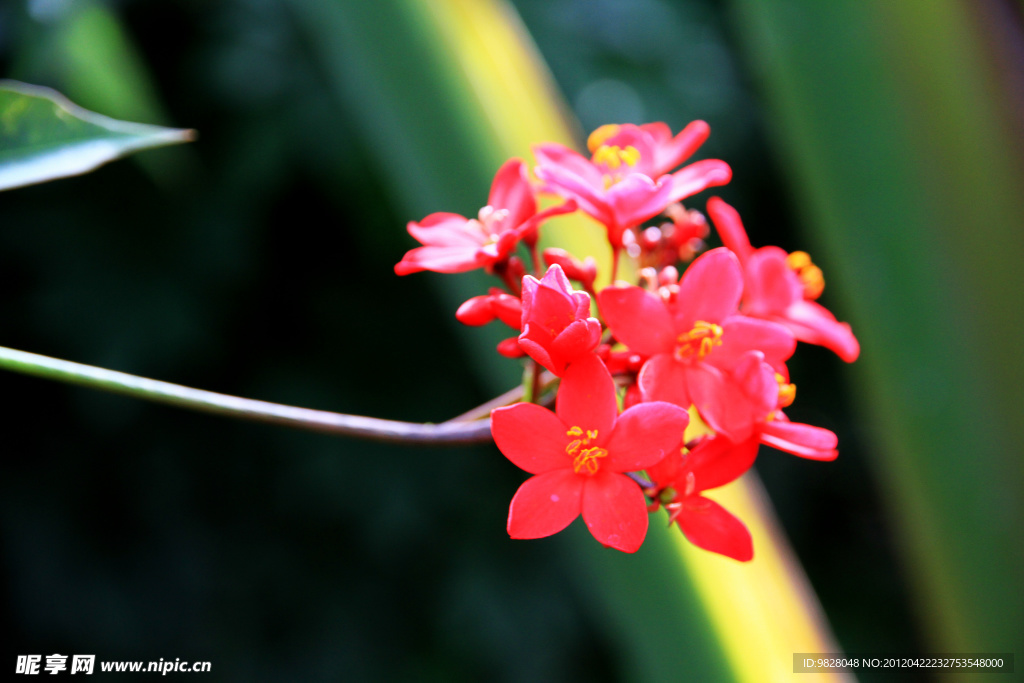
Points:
x=371, y=428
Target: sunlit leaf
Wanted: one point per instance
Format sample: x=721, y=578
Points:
x=44, y=136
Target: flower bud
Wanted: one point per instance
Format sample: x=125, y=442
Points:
x=583, y=272
x=510, y=348
x=476, y=311
x=557, y=326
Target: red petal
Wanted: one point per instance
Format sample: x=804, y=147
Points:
x=644, y=435
x=445, y=230
x=528, y=230
x=699, y=176
x=586, y=398
x=533, y=438
x=456, y=259
x=730, y=228
x=741, y=335
x=552, y=155
x=708, y=525
x=807, y=441
x=674, y=151
x=771, y=284
x=589, y=197
x=636, y=198
x=663, y=378
x=710, y=289
x=718, y=461
x=547, y=306
x=732, y=404
x=813, y=323
x=511, y=190
x=537, y=349
x=545, y=504
x=638, y=319
x=615, y=511
x=578, y=339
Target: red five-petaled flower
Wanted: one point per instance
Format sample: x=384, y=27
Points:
x=782, y=287
x=701, y=351
x=705, y=523
x=578, y=454
x=627, y=180
x=455, y=244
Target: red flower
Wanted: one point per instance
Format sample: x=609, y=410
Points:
x=782, y=287
x=578, y=454
x=626, y=180
x=701, y=351
x=557, y=326
x=455, y=244
x=682, y=478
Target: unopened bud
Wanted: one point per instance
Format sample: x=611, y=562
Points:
x=650, y=239
x=476, y=311
x=689, y=224
x=508, y=308
x=510, y=348
x=583, y=272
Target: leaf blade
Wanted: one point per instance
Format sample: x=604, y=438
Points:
x=44, y=136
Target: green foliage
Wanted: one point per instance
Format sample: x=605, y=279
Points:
x=902, y=137
x=43, y=136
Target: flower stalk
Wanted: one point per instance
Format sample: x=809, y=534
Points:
x=449, y=433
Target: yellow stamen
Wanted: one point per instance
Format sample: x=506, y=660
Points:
x=601, y=134
x=787, y=391
x=810, y=275
x=614, y=156
x=586, y=458
x=699, y=341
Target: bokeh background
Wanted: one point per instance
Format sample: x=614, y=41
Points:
x=884, y=138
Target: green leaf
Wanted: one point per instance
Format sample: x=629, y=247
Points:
x=44, y=136
x=901, y=128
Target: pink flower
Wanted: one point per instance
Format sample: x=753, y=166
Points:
x=701, y=351
x=578, y=455
x=557, y=326
x=782, y=287
x=455, y=244
x=626, y=180
x=681, y=479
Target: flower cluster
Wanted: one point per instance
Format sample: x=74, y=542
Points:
x=666, y=386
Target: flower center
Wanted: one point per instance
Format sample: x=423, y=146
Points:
x=601, y=135
x=585, y=459
x=490, y=219
x=810, y=275
x=699, y=341
x=611, y=157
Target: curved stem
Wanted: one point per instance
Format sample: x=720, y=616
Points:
x=375, y=429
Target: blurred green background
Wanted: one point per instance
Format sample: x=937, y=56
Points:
x=885, y=140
